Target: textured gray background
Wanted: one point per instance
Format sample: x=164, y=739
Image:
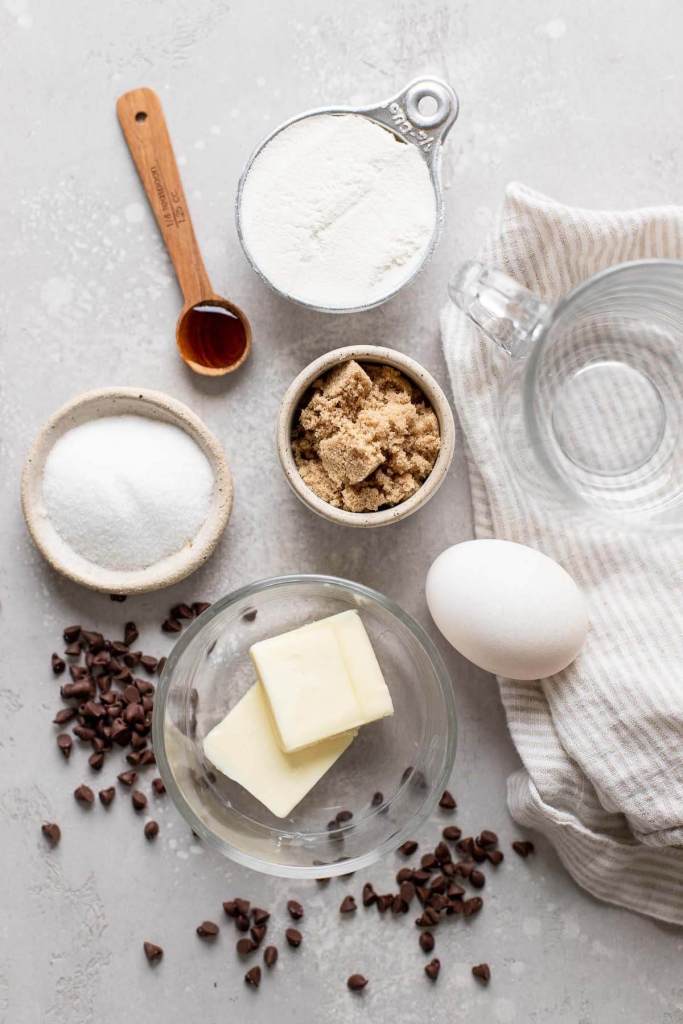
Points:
x=579, y=99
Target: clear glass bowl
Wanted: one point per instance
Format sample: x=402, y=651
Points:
x=407, y=757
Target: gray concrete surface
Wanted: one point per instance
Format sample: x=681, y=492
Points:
x=579, y=99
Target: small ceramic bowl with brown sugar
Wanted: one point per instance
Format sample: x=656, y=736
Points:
x=297, y=398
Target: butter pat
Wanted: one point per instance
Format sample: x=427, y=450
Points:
x=321, y=679
x=244, y=747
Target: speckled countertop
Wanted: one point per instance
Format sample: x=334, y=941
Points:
x=581, y=100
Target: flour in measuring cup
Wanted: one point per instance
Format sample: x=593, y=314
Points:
x=337, y=211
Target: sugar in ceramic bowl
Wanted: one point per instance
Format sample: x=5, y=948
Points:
x=293, y=399
x=61, y=556
x=406, y=758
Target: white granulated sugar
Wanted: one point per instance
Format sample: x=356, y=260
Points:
x=126, y=491
x=337, y=211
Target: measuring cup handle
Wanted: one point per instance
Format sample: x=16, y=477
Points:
x=508, y=314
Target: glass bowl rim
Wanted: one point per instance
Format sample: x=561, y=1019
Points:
x=314, y=871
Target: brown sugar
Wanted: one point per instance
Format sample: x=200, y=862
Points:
x=366, y=439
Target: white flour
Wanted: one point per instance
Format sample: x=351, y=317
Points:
x=126, y=491
x=337, y=211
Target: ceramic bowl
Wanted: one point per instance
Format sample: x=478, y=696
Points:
x=391, y=776
x=291, y=404
x=62, y=557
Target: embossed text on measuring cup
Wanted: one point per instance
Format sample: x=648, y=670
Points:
x=172, y=210
x=405, y=126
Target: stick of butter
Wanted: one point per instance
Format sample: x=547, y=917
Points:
x=321, y=679
x=244, y=747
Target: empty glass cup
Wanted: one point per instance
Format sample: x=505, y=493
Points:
x=595, y=389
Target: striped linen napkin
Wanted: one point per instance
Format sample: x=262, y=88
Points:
x=602, y=742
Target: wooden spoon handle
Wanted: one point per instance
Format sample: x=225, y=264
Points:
x=144, y=127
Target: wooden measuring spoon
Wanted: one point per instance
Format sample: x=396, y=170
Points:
x=212, y=334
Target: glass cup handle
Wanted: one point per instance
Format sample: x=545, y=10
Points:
x=508, y=314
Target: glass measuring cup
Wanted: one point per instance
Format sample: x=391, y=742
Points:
x=421, y=114
x=594, y=393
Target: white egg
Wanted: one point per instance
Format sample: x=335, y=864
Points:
x=508, y=608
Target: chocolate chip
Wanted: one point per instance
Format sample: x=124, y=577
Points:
x=442, y=853
x=343, y=816
x=426, y=942
x=294, y=937
x=482, y=972
x=71, y=633
x=466, y=845
x=429, y=861
x=398, y=905
x=245, y=946
x=369, y=895
x=249, y=615
x=181, y=611
x=138, y=799
x=523, y=847
x=230, y=908
x=64, y=715
x=494, y=857
x=171, y=626
x=58, y=664
x=96, y=760
x=120, y=598
x=242, y=907
x=207, y=930
x=478, y=879
x=259, y=916
x=153, y=952
x=487, y=838
x=407, y=892
x=377, y=799
x=130, y=634
x=257, y=934
x=452, y=833
x=160, y=666
x=408, y=848
x=151, y=830
x=127, y=778
x=296, y=911
x=84, y=795
x=447, y=801
x=432, y=969
x=270, y=956
x=356, y=982
x=348, y=905
x=384, y=902
x=65, y=743
x=158, y=786
x=52, y=832
x=472, y=906
x=199, y=607
x=107, y=795
x=404, y=875
x=253, y=976
x=438, y=884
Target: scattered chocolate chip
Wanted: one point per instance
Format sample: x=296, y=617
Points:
x=369, y=895
x=65, y=743
x=199, y=607
x=130, y=634
x=426, y=942
x=384, y=902
x=151, y=830
x=160, y=666
x=71, y=633
x=181, y=611
x=429, y=861
x=259, y=916
x=158, y=786
x=207, y=930
x=96, y=760
x=230, y=908
x=258, y=933
x=356, y=982
x=404, y=875
x=377, y=799
x=482, y=972
x=472, y=906
x=138, y=799
x=64, y=715
x=253, y=976
x=107, y=795
x=452, y=833
x=249, y=615
x=407, y=892
x=171, y=626
x=127, y=778
x=58, y=664
x=494, y=857
x=245, y=946
x=343, y=816
x=348, y=905
x=294, y=937
x=466, y=845
x=432, y=969
x=487, y=838
x=270, y=956
x=447, y=801
x=478, y=879
x=523, y=847
x=408, y=848
x=242, y=907
x=242, y=923
x=442, y=853
x=52, y=832
x=84, y=795
x=296, y=911
x=153, y=952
